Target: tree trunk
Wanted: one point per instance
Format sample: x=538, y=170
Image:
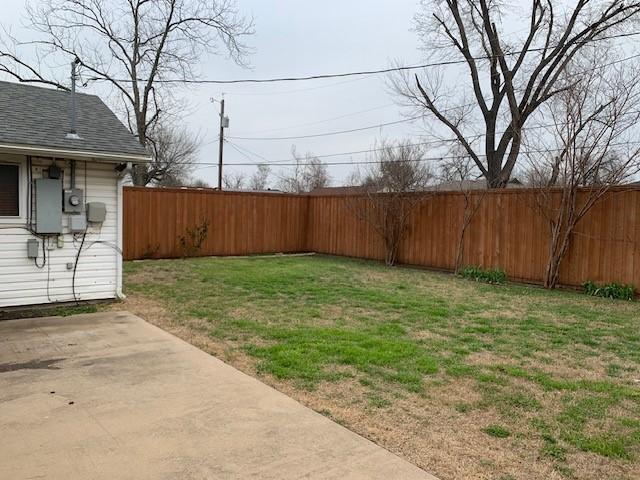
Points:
x=552, y=261
x=560, y=241
x=493, y=170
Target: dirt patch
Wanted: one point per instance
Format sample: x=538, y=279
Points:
x=152, y=276
x=426, y=335
x=563, y=365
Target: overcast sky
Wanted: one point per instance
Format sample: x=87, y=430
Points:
x=301, y=38
x=295, y=38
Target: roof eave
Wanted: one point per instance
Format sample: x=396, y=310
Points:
x=113, y=157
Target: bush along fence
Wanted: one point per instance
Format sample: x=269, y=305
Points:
x=503, y=231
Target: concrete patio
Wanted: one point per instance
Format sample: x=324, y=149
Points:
x=109, y=396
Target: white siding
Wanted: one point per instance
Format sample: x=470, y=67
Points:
x=97, y=276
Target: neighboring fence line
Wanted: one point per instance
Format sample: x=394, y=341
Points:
x=506, y=232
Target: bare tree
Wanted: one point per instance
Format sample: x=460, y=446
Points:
x=174, y=152
x=233, y=180
x=594, y=137
x=459, y=169
x=396, y=184
x=260, y=178
x=309, y=173
x=199, y=183
x=133, y=46
x=507, y=80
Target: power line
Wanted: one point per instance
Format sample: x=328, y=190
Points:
x=279, y=163
x=412, y=119
x=244, y=151
x=299, y=90
x=346, y=115
x=432, y=142
x=233, y=145
x=373, y=150
x=441, y=141
x=339, y=132
x=353, y=73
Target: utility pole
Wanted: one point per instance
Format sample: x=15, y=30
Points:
x=223, y=122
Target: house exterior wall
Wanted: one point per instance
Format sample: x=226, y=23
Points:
x=99, y=267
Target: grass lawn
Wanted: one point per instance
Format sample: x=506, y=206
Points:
x=466, y=380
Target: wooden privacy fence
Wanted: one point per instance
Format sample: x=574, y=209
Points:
x=507, y=231
x=238, y=223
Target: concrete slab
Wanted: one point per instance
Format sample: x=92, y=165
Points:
x=109, y=396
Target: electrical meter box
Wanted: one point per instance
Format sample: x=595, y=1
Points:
x=73, y=200
x=96, y=212
x=48, y=205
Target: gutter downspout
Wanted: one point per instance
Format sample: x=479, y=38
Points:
x=122, y=175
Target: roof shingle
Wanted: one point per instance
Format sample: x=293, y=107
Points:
x=36, y=116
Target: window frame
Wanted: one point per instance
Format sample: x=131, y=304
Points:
x=21, y=163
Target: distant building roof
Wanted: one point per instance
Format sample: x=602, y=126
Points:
x=215, y=189
x=481, y=184
x=39, y=117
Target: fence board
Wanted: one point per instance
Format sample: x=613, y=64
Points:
x=506, y=232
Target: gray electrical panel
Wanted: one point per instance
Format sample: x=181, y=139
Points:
x=96, y=212
x=48, y=205
x=73, y=200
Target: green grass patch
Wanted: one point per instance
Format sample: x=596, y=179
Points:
x=399, y=333
x=497, y=431
x=72, y=310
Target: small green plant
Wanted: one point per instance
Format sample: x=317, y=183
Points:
x=378, y=401
x=496, y=431
x=479, y=274
x=610, y=290
x=193, y=239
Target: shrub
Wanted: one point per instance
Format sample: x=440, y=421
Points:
x=493, y=276
x=193, y=239
x=610, y=290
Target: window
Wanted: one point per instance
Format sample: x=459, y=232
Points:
x=9, y=191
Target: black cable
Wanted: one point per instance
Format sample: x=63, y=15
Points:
x=326, y=120
x=75, y=268
x=108, y=244
x=49, y=279
x=29, y=192
x=356, y=73
x=338, y=132
x=281, y=163
x=408, y=119
x=233, y=145
x=246, y=150
x=300, y=90
x=44, y=256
